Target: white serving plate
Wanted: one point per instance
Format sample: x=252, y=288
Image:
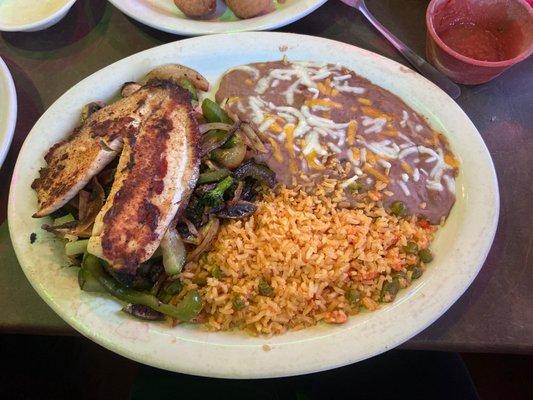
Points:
x=8, y=110
x=165, y=16
x=31, y=15
x=460, y=247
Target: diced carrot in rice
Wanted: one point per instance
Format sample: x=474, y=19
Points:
x=299, y=241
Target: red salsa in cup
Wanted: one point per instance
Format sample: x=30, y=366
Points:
x=474, y=41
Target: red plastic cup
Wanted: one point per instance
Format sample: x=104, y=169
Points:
x=474, y=41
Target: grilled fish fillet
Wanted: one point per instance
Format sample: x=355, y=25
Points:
x=157, y=171
x=73, y=162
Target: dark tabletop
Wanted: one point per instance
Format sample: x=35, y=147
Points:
x=495, y=314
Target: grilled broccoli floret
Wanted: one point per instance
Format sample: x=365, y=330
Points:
x=215, y=197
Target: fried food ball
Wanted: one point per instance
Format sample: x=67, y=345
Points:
x=196, y=8
x=248, y=8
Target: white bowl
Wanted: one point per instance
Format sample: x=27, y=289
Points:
x=32, y=16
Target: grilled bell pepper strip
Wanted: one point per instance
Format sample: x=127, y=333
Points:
x=187, y=309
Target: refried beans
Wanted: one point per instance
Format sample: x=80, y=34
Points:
x=308, y=112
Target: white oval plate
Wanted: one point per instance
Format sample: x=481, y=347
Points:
x=460, y=248
x=165, y=16
x=8, y=110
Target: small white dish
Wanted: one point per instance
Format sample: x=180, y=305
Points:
x=8, y=110
x=460, y=248
x=165, y=16
x=30, y=15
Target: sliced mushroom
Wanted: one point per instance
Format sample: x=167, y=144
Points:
x=260, y=172
x=241, y=209
x=142, y=312
x=147, y=275
x=89, y=109
x=175, y=72
x=129, y=88
x=248, y=191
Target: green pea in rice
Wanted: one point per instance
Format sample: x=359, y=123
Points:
x=311, y=250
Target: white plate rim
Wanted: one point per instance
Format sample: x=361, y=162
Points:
x=33, y=26
x=191, y=27
x=207, y=354
x=10, y=121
